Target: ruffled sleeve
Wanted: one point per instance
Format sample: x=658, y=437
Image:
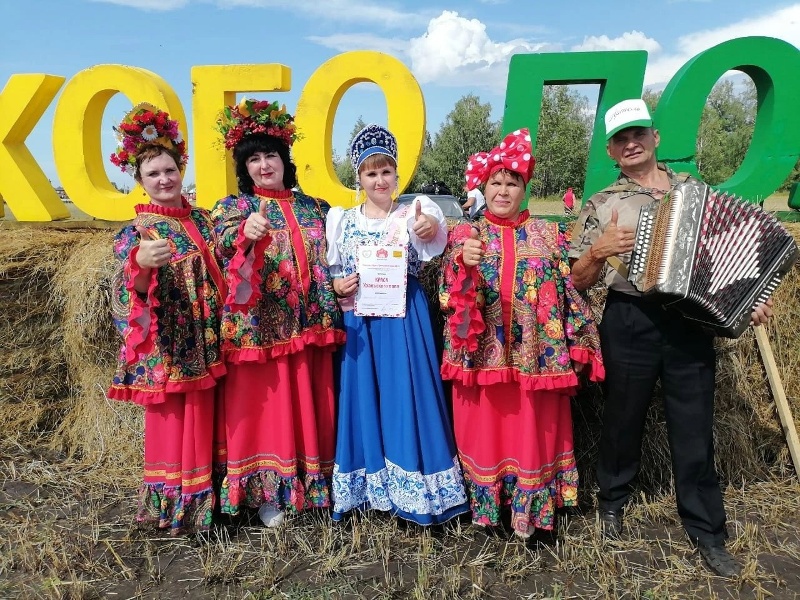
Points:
x=580, y=328
x=333, y=236
x=134, y=312
x=243, y=260
x=458, y=294
x=427, y=250
x=226, y=216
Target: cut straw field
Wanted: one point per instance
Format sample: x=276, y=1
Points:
x=70, y=465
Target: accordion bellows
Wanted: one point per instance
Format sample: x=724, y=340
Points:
x=711, y=256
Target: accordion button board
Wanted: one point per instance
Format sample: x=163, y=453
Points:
x=709, y=255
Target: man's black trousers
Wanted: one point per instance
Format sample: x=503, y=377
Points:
x=641, y=343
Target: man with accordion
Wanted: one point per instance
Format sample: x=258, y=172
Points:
x=642, y=342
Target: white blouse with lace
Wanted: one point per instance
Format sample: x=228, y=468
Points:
x=346, y=230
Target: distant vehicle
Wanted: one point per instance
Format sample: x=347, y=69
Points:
x=437, y=187
x=450, y=205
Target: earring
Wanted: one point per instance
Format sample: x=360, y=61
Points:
x=396, y=188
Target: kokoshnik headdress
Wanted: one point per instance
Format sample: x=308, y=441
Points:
x=256, y=116
x=373, y=139
x=513, y=154
x=146, y=125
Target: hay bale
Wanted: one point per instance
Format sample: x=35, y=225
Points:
x=58, y=349
x=33, y=371
x=93, y=427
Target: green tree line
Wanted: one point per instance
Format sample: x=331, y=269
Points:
x=562, y=146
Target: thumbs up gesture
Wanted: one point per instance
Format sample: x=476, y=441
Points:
x=616, y=239
x=152, y=253
x=472, y=251
x=257, y=226
x=425, y=226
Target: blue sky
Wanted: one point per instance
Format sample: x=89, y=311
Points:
x=453, y=48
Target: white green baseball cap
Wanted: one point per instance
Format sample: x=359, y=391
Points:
x=628, y=113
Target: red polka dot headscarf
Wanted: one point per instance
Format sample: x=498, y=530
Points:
x=513, y=154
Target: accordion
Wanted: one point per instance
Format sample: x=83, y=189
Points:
x=709, y=255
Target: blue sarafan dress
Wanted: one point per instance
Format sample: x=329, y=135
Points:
x=394, y=448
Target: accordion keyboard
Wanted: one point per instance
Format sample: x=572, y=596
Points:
x=710, y=256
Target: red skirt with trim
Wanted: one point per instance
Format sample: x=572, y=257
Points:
x=279, y=432
x=516, y=449
x=178, y=454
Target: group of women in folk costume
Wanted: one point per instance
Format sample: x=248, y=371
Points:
x=263, y=388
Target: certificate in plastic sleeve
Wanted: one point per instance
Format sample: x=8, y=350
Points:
x=381, y=281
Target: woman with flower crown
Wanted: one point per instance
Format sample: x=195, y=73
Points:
x=517, y=333
x=394, y=449
x=167, y=305
x=280, y=326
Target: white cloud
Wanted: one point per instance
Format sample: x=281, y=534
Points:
x=149, y=5
x=345, y=42
x=458, y=51
x=783, y=24
x=631, y=40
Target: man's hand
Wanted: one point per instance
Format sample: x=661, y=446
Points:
x=614, y=240
x=761, y=313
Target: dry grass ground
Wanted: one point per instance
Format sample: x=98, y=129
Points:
x=70, y=464
x=67, y=532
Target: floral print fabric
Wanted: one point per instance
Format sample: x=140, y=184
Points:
x=170, y=334
x=528, y=328
x=292, y=302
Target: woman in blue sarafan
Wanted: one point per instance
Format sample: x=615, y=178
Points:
x=394, y=447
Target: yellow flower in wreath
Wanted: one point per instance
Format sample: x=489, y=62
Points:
x=243, y=110
x=274, y=282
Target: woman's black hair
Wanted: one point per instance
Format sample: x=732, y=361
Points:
x=261, y=142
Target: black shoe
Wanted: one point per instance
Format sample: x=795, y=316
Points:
x=610, y=523
x=719, y=560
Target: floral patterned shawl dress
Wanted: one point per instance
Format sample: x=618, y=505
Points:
x=516, y=331
x=170, y=361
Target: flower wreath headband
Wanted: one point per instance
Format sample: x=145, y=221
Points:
x=256, y=116
x=146, y=125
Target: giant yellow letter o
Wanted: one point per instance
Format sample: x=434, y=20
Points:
x=316, y=110
x=76, y=134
